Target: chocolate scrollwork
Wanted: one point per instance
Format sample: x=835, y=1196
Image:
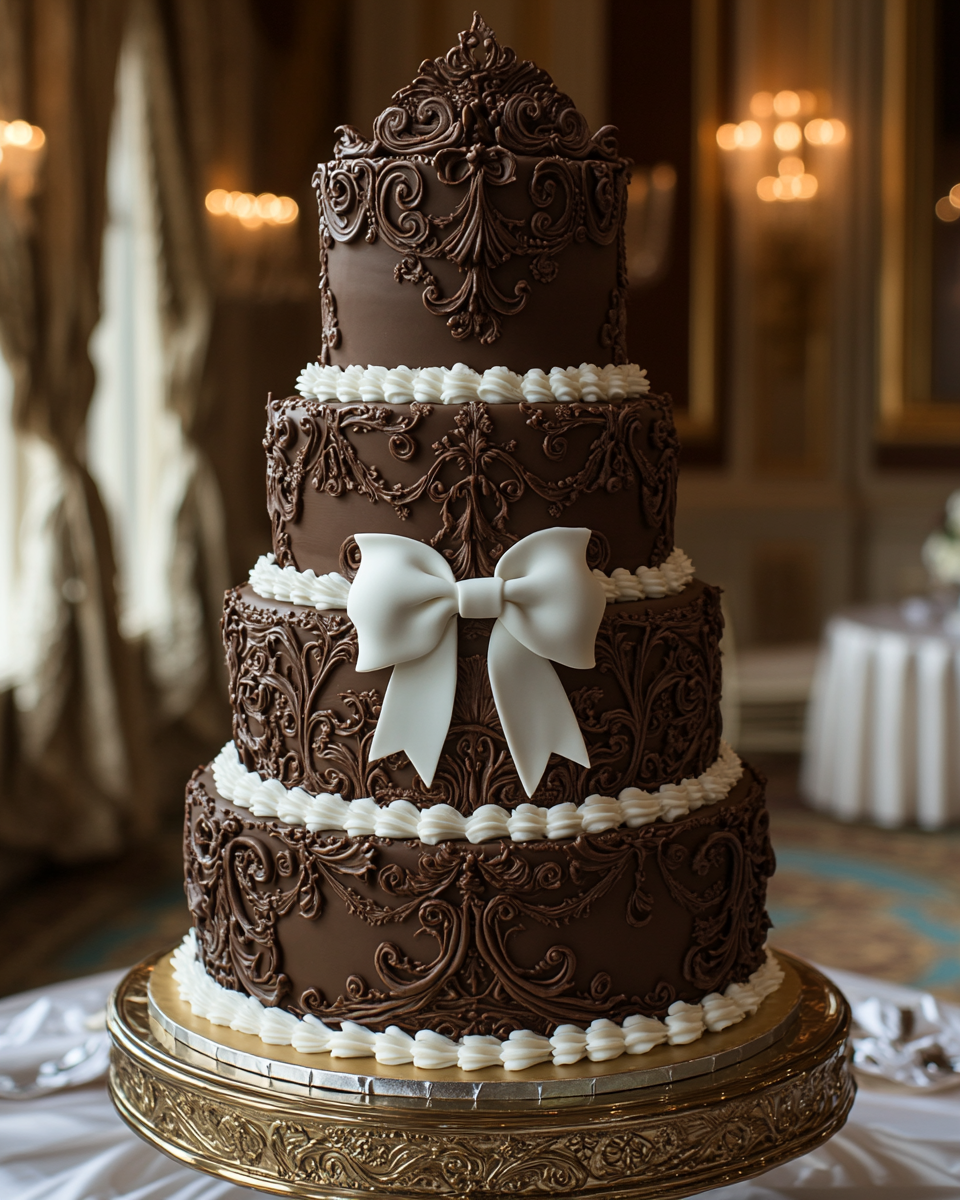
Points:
x=474, y=478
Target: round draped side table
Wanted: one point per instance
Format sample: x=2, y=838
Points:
x=883, y=726
x=669, y=1123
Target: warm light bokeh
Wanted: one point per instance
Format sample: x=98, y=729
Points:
x=744, y=135
x=787, y=135
x=750, y=133
x=728, y=137
x=216, y=201
x=791, y=165
x=794, y=187
x=21, y=134
x=820, y=132
x=761, y=104
x=18, y=133
x=663, y=177
x=793, y=181
x=946, y=210
x=787, y=187
x=786, y=104
x=250, y=210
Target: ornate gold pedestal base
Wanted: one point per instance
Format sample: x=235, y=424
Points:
x=671, y=1139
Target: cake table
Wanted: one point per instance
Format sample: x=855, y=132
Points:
x=678, y=1121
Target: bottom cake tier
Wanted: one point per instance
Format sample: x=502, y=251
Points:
x=657, y=931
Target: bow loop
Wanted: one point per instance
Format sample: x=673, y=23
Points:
x=553, y=604
x=401, y=600
x=547, y=605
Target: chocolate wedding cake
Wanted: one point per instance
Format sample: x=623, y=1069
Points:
x=476, y=810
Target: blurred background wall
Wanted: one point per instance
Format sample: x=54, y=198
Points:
x=805, y=329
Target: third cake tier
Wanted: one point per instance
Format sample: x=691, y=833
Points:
x=649, y=709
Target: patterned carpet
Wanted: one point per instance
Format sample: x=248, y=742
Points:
x=74, y=921
x=879, y=902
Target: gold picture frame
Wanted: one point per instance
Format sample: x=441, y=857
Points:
x=699, y=422
x=908, y=412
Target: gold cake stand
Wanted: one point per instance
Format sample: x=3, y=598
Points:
x=674, y=1122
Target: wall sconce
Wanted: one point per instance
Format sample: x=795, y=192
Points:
x=21, y=146
x=256, y=251
x=250, y=210
x=772, y=121
x=947, y=207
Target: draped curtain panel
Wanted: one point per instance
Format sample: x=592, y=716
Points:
x=168, y=43
x=79, y=732
x=71, y=755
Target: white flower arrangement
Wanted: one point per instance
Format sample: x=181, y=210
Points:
x=941, y=550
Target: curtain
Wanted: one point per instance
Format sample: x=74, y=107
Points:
x=72, y=765
x=151, y=348
x=232, y=94
x=186, y=655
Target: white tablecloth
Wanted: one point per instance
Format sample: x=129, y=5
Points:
x=883, y=726
x=73, y=1146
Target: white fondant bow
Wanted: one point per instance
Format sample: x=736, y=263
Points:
x=548, y=604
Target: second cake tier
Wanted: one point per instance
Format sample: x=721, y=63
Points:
x=470, y=478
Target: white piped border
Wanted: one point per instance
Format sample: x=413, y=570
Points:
x=600, y=1041
x=441, y=822
x=272, y=582
x=459, y=384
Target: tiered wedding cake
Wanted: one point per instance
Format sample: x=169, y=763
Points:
x=476, y=810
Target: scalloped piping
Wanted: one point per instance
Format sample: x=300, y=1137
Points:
x=441, y=822
x=272, y=582
x=600, y=1041
x=460, y=384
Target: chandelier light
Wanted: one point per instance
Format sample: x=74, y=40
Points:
x=785, y=121
x=20, y=156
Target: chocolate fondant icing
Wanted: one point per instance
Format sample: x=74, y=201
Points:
x=481, y=223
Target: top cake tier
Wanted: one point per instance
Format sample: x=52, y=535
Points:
x=481, y=224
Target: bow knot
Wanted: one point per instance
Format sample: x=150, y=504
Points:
x=479, y=598
x=547, y=605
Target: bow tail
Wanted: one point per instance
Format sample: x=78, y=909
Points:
x=534, y=709
x=418, y=706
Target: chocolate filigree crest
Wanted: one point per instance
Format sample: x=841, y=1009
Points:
x=465, y=119
x=480, y=94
